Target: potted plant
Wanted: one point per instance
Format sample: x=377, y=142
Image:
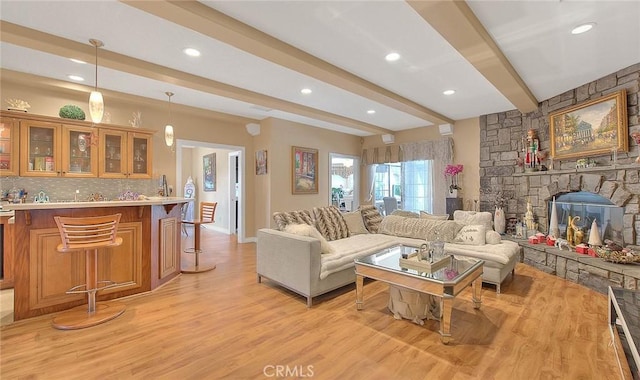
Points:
x=451, y=173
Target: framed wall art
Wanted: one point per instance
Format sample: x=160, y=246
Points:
x=304, y=167
x=261, y=162
x=593, y=128
x=209, y=172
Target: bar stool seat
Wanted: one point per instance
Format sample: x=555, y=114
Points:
x=207, y=213
x=88, y=234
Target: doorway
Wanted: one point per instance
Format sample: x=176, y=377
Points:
x=229, y=189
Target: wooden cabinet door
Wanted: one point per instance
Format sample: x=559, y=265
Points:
x=40, y=151
x=9, y=146
x=169, y=252
x=139, y=155
x=79, y=152
x=113, y=154
x=53, y=273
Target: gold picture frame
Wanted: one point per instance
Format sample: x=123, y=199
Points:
x=304, y=170
x=594, y=128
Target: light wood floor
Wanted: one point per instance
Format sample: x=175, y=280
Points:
x=224, y=325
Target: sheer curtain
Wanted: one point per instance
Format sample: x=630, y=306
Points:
x=439, y=152
x=417, y=185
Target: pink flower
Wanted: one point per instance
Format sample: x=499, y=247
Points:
x=452, y=170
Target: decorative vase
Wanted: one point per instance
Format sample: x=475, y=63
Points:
x=453, y=193
x=499, y=221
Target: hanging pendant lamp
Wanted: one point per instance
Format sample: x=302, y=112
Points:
x=168, y=129
x=96, y=103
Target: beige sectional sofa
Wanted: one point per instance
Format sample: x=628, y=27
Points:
x=312, y=252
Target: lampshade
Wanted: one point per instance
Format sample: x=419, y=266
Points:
x=96, y=103
x=168, y=129
x=96, y=106
x=168, y=134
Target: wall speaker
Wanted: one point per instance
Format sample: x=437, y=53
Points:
x=446, y=129
x=388, y=139
x=253, y=129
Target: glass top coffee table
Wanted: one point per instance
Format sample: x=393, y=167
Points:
x=446, y=282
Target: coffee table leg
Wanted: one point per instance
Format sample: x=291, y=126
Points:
x=476, y=286
x=359, y=289
x=446, y=304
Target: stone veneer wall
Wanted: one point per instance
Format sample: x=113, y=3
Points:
x=500, y=135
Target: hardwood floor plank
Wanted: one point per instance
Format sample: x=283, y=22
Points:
x=224, y=325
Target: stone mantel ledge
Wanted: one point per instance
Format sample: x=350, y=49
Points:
x=594, y=272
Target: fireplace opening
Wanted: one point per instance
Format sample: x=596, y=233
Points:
x=589, y=207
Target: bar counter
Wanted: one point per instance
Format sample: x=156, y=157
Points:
x=148, y=257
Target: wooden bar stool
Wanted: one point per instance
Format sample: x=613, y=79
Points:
x=207, y=213
x=88, y=234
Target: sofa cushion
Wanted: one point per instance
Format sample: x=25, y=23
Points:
x=405, y=213
x=472, y=234
x=311, y=231
x=426, y=215
x=474, y=217
x=493, y=237
x=282, y=219
x=371, y=217
x=355, y=224
x=418, y=228
x=330, y=223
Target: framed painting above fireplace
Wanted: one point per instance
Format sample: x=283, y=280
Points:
x=593, y=128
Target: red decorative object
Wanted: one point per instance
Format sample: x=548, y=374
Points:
x=582, y=249
x=591, y=252
x=534, y=240
x=551, y=241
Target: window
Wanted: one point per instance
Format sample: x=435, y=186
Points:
x=411, y=183
x=344, y=189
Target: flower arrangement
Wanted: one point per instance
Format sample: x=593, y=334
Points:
x=453, y=171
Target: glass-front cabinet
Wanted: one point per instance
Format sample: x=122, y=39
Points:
x=125, y=154
x=40, y=149
x=9, y=146
x=57, y=150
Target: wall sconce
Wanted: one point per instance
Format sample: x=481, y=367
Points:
x=253, y=129
x=96, y=103
x=168, y=129
x=388, y=139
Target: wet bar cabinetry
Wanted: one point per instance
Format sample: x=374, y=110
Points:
x=54, y=147
x=125, y=154
x=9, y=146
x=148, y=257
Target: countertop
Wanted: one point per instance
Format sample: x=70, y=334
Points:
x=149, y=201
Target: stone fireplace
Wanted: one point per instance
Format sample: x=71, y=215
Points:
x=614, y=177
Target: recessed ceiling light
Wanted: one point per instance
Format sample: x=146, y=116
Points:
x=306, y=91
x=371, y=112
x=449, y=92
x=191, y=52
x=583, y=28
x=391, y=57
x=77, y=78
x=77, y=61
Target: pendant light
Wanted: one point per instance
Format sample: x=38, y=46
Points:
x=168, y=129
x=96, y=103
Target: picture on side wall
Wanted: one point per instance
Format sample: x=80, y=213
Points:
x=209, y=172
x=261, y=162
x=304, y=165
x=594, y=128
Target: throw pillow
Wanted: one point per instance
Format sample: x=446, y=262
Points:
x=330, y=223
x=406, y=214
x=311, y=231
x=472, y=234
x=283, y=219
x=474, y=217
x=419, y=228
x=355, y=224
x=371, y=217
x=426, y=215
x=493, y=237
